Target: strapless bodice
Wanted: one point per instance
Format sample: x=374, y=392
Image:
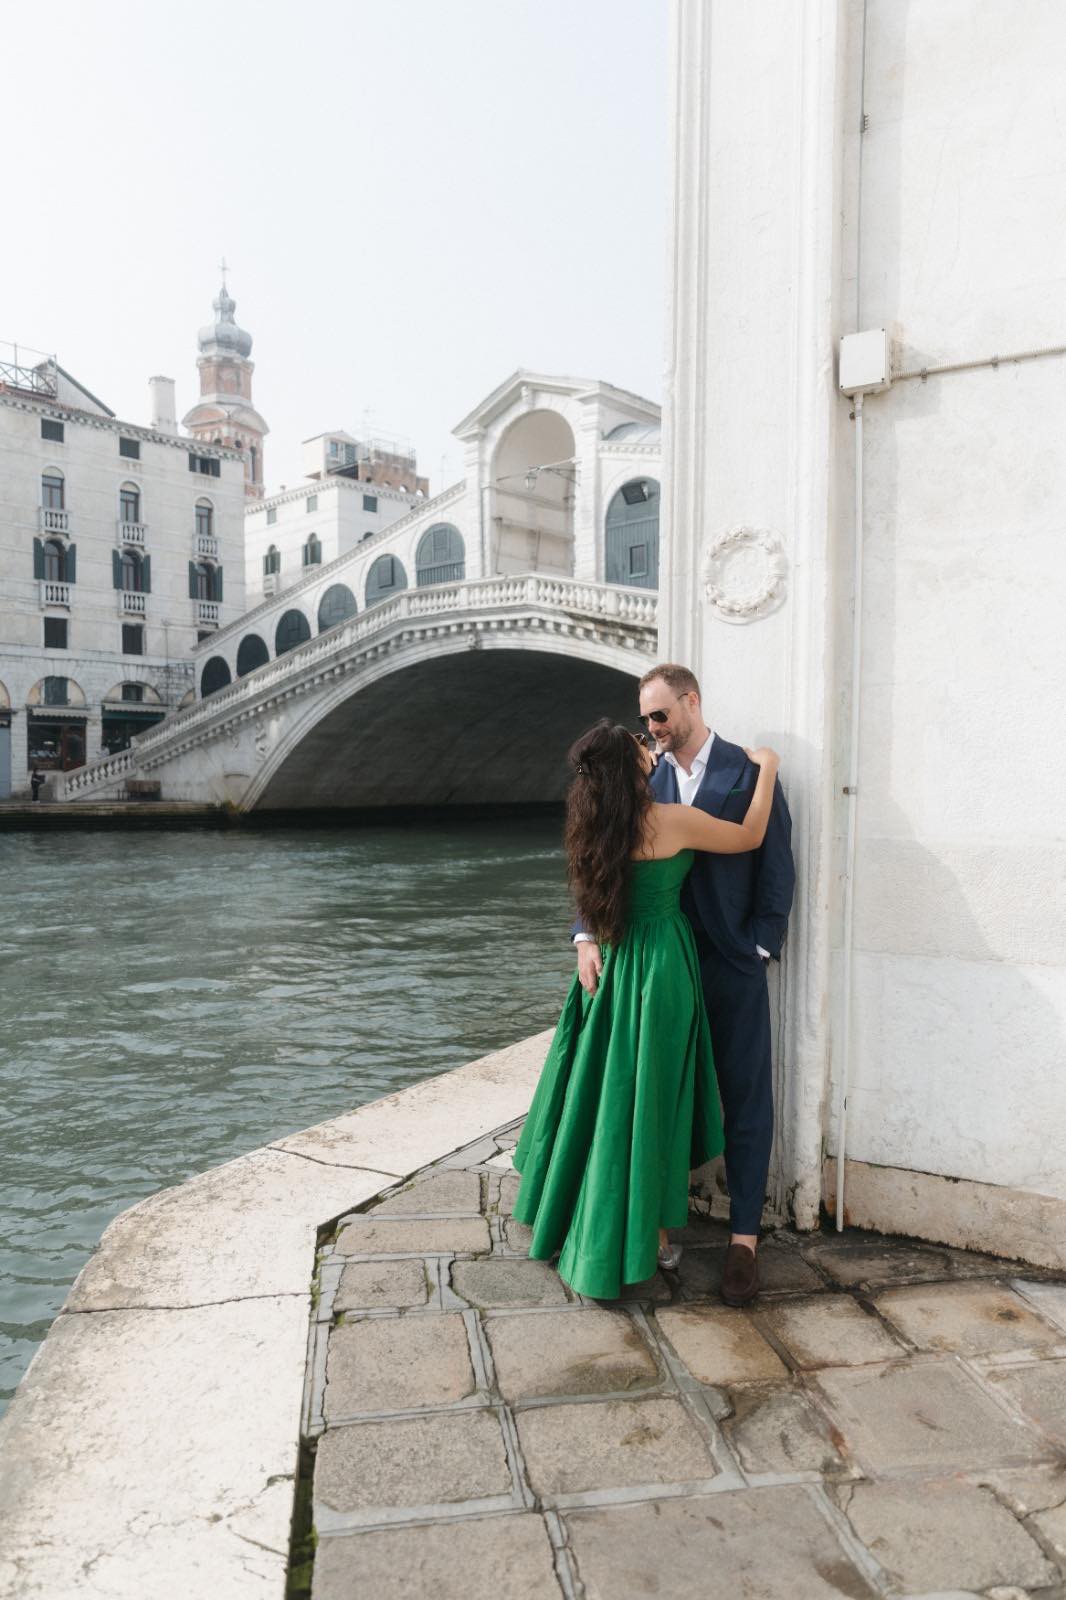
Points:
x=655, y=886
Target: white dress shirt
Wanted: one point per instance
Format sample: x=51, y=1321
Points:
x=688, y=784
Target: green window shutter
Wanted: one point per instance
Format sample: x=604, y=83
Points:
x=218, y=583
x=71, y=562
x=38, y=559
x=146, y=575
x=116, y=568
x=192, y=580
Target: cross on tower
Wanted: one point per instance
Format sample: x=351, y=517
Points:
x=224, y=269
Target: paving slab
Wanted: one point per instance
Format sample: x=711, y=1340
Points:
x=453, y=1191
x=832, y=1331
x=378, y=1285
x=377, y=1236
x=971, y=1318
x=780, y=1270
x=508, y=1281
x=371, y=1467
x=397, y=1364
x=612, y=1444
x=1027, y=1489
x=933, y=1535
x=1049, y=1298
x=1038, y=1391
x=476, y=1558
x=878, y=1265
x=760, y=1544
x=519, y=1235
x=719, y=1345
x=508, y=1192
x=925, y=1413
x=584, y=1351
x=701, y=1229
x=776, y=1429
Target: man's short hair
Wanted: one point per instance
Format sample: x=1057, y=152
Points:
x=677, y=678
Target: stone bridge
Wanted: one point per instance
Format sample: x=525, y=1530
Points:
x=464, y=693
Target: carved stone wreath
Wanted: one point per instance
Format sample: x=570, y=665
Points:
x=744, y=574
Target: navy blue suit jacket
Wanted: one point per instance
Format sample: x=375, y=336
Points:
x=738, y=901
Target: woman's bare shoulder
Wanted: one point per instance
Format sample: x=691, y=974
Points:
x=661, y=831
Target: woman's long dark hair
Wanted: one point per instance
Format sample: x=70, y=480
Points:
x=605, y=811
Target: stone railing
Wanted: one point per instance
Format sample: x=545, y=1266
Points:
x=132, y=533
x=312, y=576
x=53, y=593
x=54, y=520
x=132, y=603
x=602, y=602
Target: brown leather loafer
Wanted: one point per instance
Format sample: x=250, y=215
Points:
x=740, y=1280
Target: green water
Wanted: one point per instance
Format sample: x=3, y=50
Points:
x=172, y=1000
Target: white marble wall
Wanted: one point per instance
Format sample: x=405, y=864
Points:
x=946, y=226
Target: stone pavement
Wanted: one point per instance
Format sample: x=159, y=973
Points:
x=889, y=1419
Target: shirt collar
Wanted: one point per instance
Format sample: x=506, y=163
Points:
x=700, y=759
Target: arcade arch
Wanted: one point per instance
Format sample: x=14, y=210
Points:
x=532, y=490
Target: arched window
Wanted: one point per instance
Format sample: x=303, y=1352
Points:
x=440, y=556
x=132, y=572
x=631, y=536
x=55, y=561
x=272, y=561
x=129, y=503
x=56, y=691
x=386, y=577
x=215, y=676
x=205, y=518
x=312, y=551
x=292, y=629
x=251, y=653
x=52, y=490
x=336, y=605
x=206, y=581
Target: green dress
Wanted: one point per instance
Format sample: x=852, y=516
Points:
x=627, y=1100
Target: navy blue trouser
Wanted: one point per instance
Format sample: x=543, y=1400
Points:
x=738, y=1010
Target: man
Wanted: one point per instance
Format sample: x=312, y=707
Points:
x=738, y=906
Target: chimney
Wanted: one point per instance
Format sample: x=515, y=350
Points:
x=163, y=408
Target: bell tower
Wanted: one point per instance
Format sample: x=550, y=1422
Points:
x=224, y=413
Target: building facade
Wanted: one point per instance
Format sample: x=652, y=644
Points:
x=564, y=478
x=862, y=568
x=121, y=546
x=353, y=489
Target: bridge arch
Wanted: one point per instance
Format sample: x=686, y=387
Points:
x=527, y=695
x=293, y=628
x=385, y=578
x=336, y=605
x=440, y=556
x=252, y=652
x=215, y=676
x=533, y=477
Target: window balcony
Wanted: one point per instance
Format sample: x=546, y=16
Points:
x=207, y=612
x=53, y=520
x=206, y=546
x=54, y=593
x=131, y=533
x=131, y=603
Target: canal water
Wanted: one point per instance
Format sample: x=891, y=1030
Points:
x=172, y=1000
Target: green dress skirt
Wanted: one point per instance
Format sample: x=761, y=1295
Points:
x=627, y=1100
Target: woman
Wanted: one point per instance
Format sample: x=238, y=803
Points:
x=627, y=1101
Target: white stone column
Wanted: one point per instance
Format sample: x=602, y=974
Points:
x=751, y=425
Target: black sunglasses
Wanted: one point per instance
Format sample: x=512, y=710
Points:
x=658, y=716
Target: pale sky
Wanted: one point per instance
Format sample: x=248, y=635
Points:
x=415, y=197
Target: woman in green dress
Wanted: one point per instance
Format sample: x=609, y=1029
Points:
x=627, y=1102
